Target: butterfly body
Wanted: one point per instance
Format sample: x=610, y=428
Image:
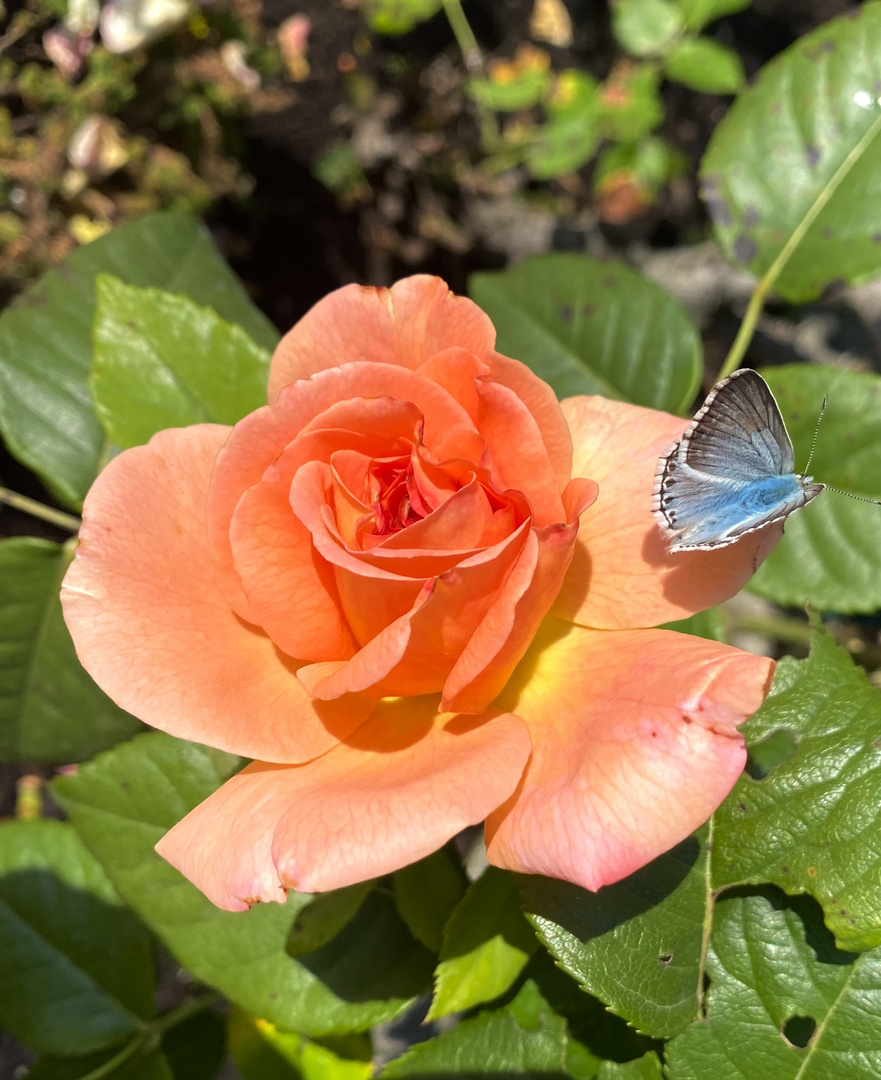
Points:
x=732, y=472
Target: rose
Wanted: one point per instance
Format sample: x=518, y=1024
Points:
x=354, y=587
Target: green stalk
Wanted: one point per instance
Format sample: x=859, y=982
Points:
x=760, y=294
x=471, y=55
x=39, y=510
x=152, y=1032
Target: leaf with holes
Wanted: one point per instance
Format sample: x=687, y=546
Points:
x=783, y=1002
x=830, y=555
x=162, y=361
x=812, y=117
x=655, y=918
x=813, y=824
x=50, y=710
x=591, y=327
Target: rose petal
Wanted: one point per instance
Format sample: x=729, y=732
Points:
x=154, y=632
x=406, y=324
x=519, y=456
x=409, y=781
x=504, y=635
x=415, y=653
x=457, y=371
x=272, y=550
x=291, y=592
x=457, y=525
x=622, y=574
x=636, y=744
x=263, y=435
x=541, y=402
x=371, y=597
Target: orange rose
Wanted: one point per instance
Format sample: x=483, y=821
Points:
x=343, y=585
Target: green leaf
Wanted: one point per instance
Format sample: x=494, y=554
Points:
x=523, y=1037
x=705, y=65
x=700, y=12
x=50, y=710
x=162, y=361
x=783, y=1002
x=525, y=88
x=830, y=556
x=710, y=624
x=645, y=27
x=145, y=1064
x=46, y=413
x=591, y=327
x=813, y=824
x=568, y=139
x=645, y=167
x=654, y=918
x=374, y=959
x=398, y=16
x=630, y=105
x=560, y=147
x=76, y=971
x=196, y=1047
x=426, y=893
x=324, y=916
x=795, y=162
x=262, y=1052
x=595, y=1034
x=486, y=945
x=123, y=802
x=648, y=1067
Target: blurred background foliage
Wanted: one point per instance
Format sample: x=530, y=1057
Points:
x=440, y=130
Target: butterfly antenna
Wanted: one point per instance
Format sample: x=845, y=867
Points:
x=850, y=495
x=838, y=491
x=816, y=433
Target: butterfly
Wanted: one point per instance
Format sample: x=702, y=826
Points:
x=732, y=472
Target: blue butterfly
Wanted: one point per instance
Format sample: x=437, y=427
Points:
x=732, y=472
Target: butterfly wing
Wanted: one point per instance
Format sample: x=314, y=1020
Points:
x=731, y=472
x=739, y=432
x=704, y=512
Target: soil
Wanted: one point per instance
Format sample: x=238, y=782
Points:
x=292, y=242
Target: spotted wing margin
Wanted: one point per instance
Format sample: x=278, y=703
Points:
x=739, y=432
x=708, y=513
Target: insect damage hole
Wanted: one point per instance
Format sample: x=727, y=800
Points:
x=799, y=1030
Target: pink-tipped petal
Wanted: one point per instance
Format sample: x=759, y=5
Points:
x=622, y=574
x=407, y=782
x=154, y=632
x=406, y=324
x=636, y=744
